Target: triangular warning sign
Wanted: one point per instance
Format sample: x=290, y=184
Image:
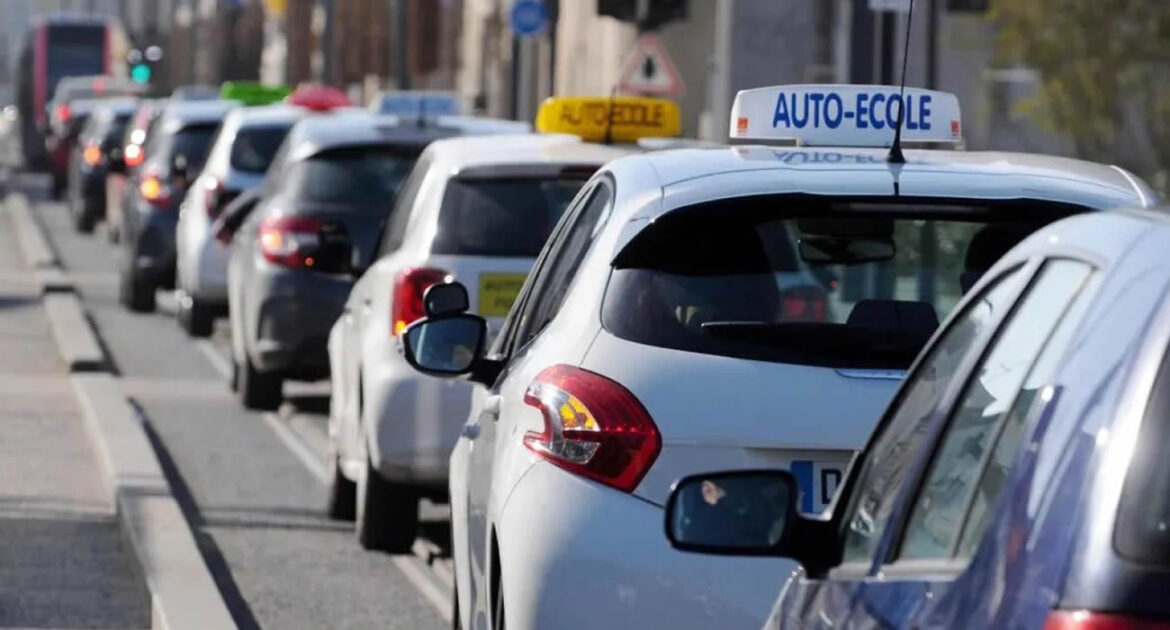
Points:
x=649, y=70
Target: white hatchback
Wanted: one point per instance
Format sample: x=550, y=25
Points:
x=473, y=209
x=736, y=308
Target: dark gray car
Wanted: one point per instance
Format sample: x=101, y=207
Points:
x=175, y=150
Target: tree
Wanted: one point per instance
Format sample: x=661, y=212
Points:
x=1104, y=68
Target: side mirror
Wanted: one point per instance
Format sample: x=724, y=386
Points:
x=445, y=346
x=234, y=215
x=449, y=298
x=744, y=513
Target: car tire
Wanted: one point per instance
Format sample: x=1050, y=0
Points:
x=258, y=390
x=387, y=513
x=136, y=291
x=196, y=317
x=83, y=219
x=342, y=501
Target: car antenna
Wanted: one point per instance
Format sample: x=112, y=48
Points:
x=895, y=156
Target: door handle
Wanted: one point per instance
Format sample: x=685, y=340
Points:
x=491, y=406
x=470, y=430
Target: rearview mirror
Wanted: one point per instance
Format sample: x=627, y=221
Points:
x=747, y=513
x=445, y=346
x=834, y=250
x=448, y=298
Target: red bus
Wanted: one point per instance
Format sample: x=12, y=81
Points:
x=53, y=48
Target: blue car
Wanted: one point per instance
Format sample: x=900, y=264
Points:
x=1019, y=479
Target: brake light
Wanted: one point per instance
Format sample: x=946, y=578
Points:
x=1086, y=620
x=802, y=304
x=593, y=427
x=92, y=154
x=212, y=194
x=407, y=300
x=133, y=156
x=154, y=190
x=63, y=112
x=290, y=241
x=319, y=98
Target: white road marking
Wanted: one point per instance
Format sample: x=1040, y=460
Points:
x=298, y=447
x=414, y=570
x=218, y=362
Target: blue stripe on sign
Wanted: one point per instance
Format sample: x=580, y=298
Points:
x=803, y=471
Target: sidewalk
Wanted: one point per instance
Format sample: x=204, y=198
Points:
x=64, y=562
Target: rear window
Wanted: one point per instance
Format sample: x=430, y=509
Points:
x=502, y=216
x=193, y=142
x=835, y=283
x=1142, y=532
x=75, y=51
x=359, y=176
x=255, y=147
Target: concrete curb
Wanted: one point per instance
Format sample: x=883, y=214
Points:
x=37, y=252
x=183, y=593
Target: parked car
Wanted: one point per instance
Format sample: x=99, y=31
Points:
x=137, y=131
x=178, y=144
x=474, y=209
x=1018, y=479
x=659, y=335
x=98, y=153
x=72, y=102
x=241, y=153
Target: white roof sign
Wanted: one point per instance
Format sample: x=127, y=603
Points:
x=844, y=115
x=416, y=103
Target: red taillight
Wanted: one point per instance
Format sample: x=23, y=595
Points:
x=63, y=112
x=1086, y=620
x=407, y=299
x=802, y=304
x=154, y=190
x=212, y=194
x=319, y=98
x=133, y=155
x=593, y=427
x=290, y=241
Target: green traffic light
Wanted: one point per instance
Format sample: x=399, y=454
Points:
x=140, y=73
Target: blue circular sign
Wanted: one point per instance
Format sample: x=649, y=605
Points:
x=528, y=17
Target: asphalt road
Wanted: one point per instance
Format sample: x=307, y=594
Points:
x=251, y=484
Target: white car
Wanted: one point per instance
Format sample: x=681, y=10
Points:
x=476, y=209
x=667, y=328
x=243, y=148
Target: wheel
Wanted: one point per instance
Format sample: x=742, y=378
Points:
x=258, y=390
x=83, y=219
x=342, y=502
x=195, y=317
x=387, y=513
x=136, y=292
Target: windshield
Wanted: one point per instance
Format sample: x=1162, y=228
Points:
x=812, y=282
x=362, y=176
x=75, y=51
x=254, y=148
x=502, y=217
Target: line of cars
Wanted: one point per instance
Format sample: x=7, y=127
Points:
x=563, y=333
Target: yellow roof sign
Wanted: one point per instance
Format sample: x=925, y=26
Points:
x=617, y=119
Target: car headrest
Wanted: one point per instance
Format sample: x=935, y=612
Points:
x=901, y=316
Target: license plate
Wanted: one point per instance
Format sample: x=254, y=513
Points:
x=818, y=483
x=497, y=291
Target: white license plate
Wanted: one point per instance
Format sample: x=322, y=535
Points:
x=818, y=482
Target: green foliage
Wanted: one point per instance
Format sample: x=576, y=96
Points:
x=1103, y=65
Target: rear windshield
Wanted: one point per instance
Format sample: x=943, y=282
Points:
x=503, y=216
x=845, y=284
x=112, y=135
x=359, y=176
x=1143, y=520
x=74, y=51
x=255, y=147
x=193, y=142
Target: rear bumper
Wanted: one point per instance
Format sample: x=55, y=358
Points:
x=296, y=310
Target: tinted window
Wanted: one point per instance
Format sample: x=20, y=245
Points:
x=863, y=289
x=193, y=142
x=395, y=231
x=365, y=176
x=111, y=136
x=254, y=148
x=941, y=505
x=889, y=457
x=75, y=51
x=502, y=217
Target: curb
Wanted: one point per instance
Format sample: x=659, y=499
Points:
x=183, y=593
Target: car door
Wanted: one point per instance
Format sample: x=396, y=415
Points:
x=922, y=564
x=491, y=470
x=878, y=474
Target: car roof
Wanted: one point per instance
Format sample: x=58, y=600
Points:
x=266, y=115
x=183, y=113
x=468, y=152
x=119, y=106
x=356, y=127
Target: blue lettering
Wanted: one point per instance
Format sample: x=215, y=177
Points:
x=892, y=120
x=862, y=110
x=874, y=120
x=781, y=112
x=832, y=120
x=816, y=97
x=910, y=122
x=924, y=111
x=833, y=158
x=798, y=121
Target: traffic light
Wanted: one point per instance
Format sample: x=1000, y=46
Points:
x=141, y=73
x=142, y=63
x=658, y=12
